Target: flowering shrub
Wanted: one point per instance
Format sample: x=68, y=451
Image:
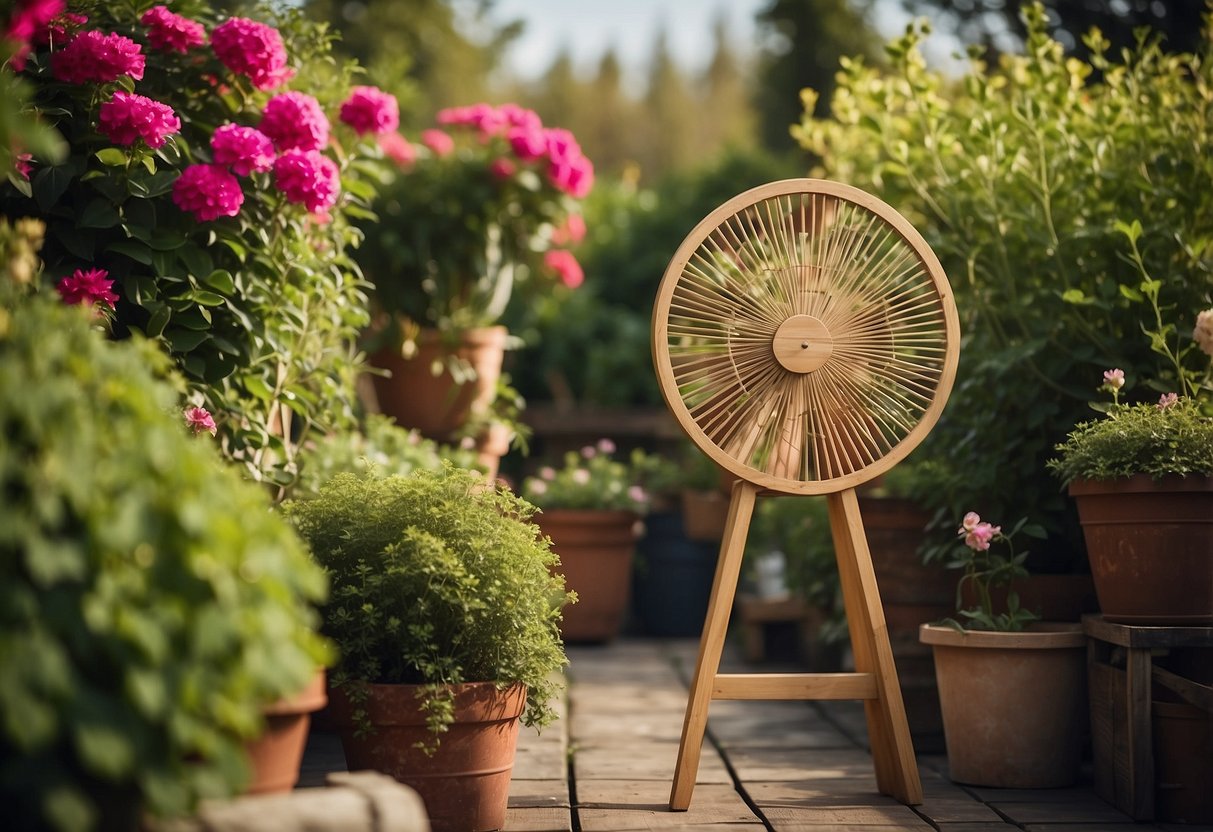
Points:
x=985, y=570
x=1022, y=176
x=215, y=200
x=590, y=479
x=485, y=203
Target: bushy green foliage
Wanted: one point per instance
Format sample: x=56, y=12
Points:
x=380, y=447
x=437, y=578
x=1138, y=439
x=800, y=528
x=260, y=311
x=150, y=601
x=1022, y=178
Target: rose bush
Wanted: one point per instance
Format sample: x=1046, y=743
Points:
x=486, y=203
x=217, y=199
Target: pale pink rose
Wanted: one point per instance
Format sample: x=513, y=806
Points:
x=589, y=452
x=606, y=446
x=969, y=523
x=1114, y=378
x=399, y=149
x=1166, y=400
x=538, y=486
x=547, y=472
x=979, y=538
x=1202, y=333
x=581, y=476
x=637, y=494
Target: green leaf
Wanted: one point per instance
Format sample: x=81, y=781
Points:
x=104, y=749
x=196, y=260
x=133, y=249
x=1130, y=230
x=1130, y=292
x=186, y=340
x=257, y=387
x=49, y=185
x=221, y=281
x=1075, y=296
x=158, y=321
x=99, y=213
x=111, y=157
x=208, y=298
x=149, y=162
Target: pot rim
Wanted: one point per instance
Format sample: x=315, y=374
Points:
x=1139, y=483
x=1043, y=635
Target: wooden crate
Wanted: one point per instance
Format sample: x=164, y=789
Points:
x=1121, y=677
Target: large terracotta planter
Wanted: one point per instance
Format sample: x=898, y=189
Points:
x=1013, y=704
x=1150, y=546
x=277, y=754
x=438, y=405
x=465, y=785
x=596, y=548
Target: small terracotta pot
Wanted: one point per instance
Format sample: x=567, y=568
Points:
x=276, y=755
x=1014, y=704
x=1150, y=546
x=465, y=785
x=436, y=405
x=596, y=548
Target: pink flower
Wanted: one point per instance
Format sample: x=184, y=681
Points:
x=170, y=32
x=88, y=287
x=565, y=266
x=29, y=21
x=439, y=142
x=516, y=116
x=1166, y=400
x=244, y=149
x=254, y=49
x=581, y=476
x=62, y=29
x=637, y=494
x=309, y=178
x=574, y=176
x=399, y=149
x=371, y=110
x=606, y=446
x=589, y=452
x=295, y=121
x=502, y=168
x=127, y=117
x=547, y=472
x=199, y=419
x=208, y=192
x=1114, y=379
x=570, y=232
x=1202, y=333
x=22, y=163
x=538, y=486
x=969, y=523
x=92, y=56
x=527, y=144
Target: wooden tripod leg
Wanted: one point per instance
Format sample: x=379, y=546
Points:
x=888, y=731
x=711, y=643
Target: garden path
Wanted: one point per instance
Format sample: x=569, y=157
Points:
x=781, y=766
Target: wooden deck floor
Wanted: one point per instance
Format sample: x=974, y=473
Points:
x=607, y=764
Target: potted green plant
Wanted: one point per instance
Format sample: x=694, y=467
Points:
x=483, y=209
x=1011, y=689
x=590, y=508
x=1142, y=477
x=153, y=604
x=445, y=609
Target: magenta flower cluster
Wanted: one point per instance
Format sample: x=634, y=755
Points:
x=254, y=50
x=295, y=121
x=29, y=20
x=88, y=287
x=127, y=117
x=566, y=166
x=208, y=192
x=370, y=110
x=97, y=57
x=309, y=178
x=170, y=32
x=243, y=149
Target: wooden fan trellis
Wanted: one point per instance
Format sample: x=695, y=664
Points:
x=805, y=337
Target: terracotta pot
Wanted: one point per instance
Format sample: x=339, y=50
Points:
x=436, y=405
x=1150, y=545
x=596, y=548
x=1013, y=703
x=465, y=785
x=276, y=755
x=703, y=515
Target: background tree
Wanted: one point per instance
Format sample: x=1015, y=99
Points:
x=801, y=43
x=998, y=26
x=726, y=116
x=669, y=114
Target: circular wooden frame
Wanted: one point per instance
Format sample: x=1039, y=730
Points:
x=805, y=336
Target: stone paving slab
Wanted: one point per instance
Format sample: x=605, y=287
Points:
x=627, y=805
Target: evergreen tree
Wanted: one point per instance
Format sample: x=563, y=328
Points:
x=669, y=116
x=726, y=111
x=609, y=133
x=558, y=99
x=803, y=41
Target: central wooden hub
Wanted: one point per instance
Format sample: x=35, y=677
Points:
x=802, y=344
